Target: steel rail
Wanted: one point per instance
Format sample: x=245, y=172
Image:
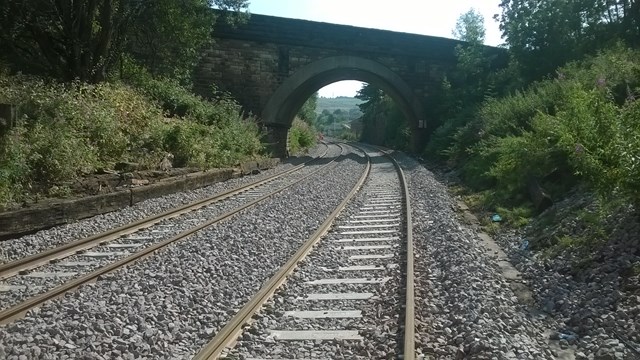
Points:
x=29, y=262
x=229, y=333
x=17, y=310
x=409, y=348
x=409, y=342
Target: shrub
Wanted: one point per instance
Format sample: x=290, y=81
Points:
x=302, y=136
x=581, y=127
x=65, y=130
x=629, y=151
x=197, y=145
x=177, y=101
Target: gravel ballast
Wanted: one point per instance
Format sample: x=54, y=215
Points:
x=14, y=249
x=379, y=322
x=589, y=293
x=464, y=307
x=25, y=285
x=598, y=302
x=168, y=305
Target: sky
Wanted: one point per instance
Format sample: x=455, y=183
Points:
x=427, y=17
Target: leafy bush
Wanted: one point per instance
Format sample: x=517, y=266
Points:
x=177, y=101
x=348, y=135
x=510, y=115
x=629, y=150
x=198, y=145
x=302, y=136
x=583, y=127
x=65, y=130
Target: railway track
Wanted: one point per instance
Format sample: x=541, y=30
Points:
x=29, y=282
x=346, y=293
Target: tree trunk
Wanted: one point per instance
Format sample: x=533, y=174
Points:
x=541, y=200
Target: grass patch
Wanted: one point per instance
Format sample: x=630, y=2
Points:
x=483, y=203
x=516, y=217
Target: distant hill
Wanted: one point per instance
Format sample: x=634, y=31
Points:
x=332, y=104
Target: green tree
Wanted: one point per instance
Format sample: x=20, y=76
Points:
x=167, y=36
x=465, y=87
x=370, y=96
x=470, y=27
x=83, y=40
x=382, y=121
x=308, y=110
x=545, y=34
x=473, y=64
x=65, y=39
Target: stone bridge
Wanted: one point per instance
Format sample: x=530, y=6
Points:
x=272, y=65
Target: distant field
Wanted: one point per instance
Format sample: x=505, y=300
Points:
x=332, y=104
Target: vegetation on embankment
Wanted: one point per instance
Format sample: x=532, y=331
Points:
x=580, y=128
x=560, y=123
x=67, y=130
x=92, y=86
x=527, y=137
x=577, y=136
x=302, y=136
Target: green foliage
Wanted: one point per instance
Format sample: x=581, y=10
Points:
x=383, y=122
x=64, y=39
x=307, y=112
x=348, y=136
x=344, y=103
x=470, y=27
x=65, y=130
x=543, y=35
x=576, y=243
x=371, y=96
x=167, y=36
x=464, y=87
x=516, y=217
x=582, y=127
x=177, y=101
x=635, y=269
x=397, y=131
x=84, y=40
x=337, y=122
x=302, y=136
x=198, y=145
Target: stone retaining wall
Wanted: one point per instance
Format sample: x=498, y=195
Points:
x=55, y=212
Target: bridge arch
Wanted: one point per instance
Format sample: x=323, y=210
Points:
x=271, y=65
x=282, y=106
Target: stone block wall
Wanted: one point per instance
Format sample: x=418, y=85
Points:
x=252, y=61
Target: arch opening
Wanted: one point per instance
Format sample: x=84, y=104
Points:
x=280, y=110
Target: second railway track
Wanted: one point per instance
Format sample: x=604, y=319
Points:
x=174, y=302
x=28, y=282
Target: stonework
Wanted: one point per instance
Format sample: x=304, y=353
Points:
x=272, y=65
